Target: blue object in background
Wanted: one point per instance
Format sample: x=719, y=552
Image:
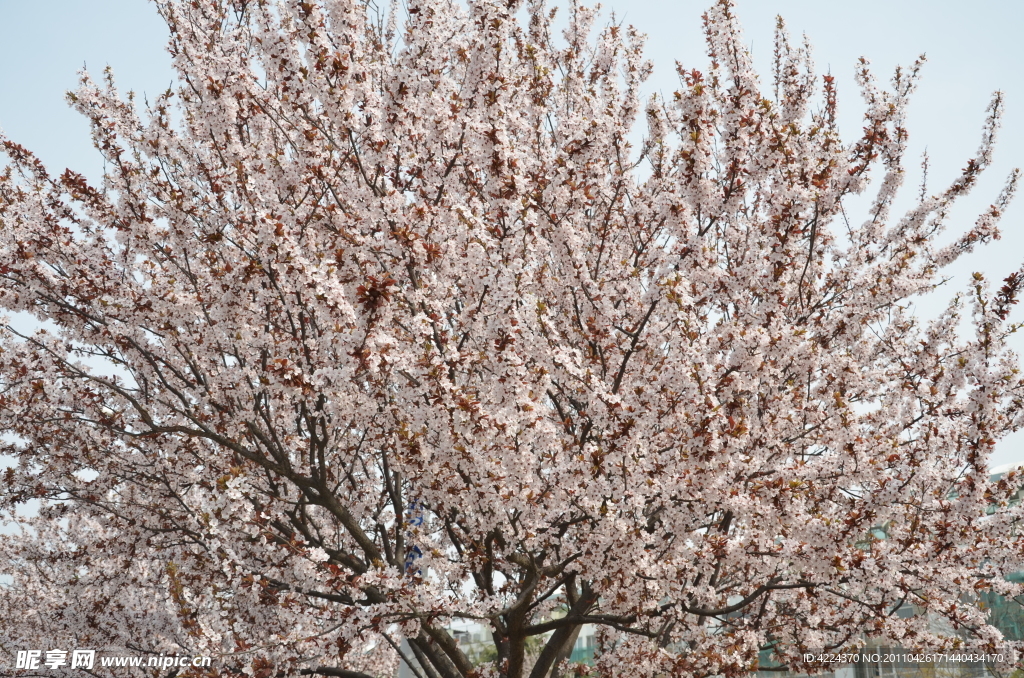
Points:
x=413, y=518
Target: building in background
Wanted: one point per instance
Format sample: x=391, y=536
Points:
x=1007, y=615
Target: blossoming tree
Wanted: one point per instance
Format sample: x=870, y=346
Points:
x=379, y=323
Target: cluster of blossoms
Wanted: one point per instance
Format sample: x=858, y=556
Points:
x=376, y=326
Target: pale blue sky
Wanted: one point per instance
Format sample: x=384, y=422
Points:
x=973, y=49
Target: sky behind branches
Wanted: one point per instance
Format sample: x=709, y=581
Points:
x=973, y=49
